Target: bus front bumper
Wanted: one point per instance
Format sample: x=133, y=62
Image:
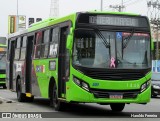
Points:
x=77, y=94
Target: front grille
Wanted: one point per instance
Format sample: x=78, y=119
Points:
x=113, y=74
x=2, y=79
x=127, y=94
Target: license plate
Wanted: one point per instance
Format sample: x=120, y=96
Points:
x=116, y=96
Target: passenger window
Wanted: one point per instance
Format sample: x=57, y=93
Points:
x=17, y=49
x=54, y=42
x=23, y=48
x=37, y=46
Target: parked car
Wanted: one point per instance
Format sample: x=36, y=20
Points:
x=155, y=80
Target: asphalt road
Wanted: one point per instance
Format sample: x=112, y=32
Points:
x=78, y=111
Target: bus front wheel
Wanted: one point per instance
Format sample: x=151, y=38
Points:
x=57, y=104
x=118, y=107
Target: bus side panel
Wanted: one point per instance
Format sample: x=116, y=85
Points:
x=35, y=85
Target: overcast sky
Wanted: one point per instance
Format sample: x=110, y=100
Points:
x=41, y=8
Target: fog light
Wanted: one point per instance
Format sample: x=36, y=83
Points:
x=85, y=86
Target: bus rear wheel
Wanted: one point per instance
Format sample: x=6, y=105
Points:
x=117, y=107
x=20, y=96
x=57, y=104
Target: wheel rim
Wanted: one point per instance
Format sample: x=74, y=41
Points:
x=55, y=99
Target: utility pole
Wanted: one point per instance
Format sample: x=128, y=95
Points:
x=17, y=18
x=155, y=22
x=101, y=5
x=118, y=7
x=54, y=9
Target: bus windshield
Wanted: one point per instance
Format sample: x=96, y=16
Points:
x=107, y=49
x=2, y=58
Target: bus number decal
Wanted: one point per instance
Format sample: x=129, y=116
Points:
x=95, y=84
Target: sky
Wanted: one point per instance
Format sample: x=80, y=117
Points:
x=41, y=8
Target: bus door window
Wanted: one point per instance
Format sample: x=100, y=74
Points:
x=23, y=48
x=17, y=50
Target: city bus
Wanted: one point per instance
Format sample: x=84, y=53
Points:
x=3, y=49
x=85, y=57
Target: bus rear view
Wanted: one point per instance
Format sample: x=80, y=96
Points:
x=111, y=59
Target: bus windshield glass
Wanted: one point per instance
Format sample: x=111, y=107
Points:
x=2, y=58
x=107, y=49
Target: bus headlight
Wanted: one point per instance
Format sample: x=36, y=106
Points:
x=81, y=83
x=145, y=85
x=78, y=82
x=85, y=86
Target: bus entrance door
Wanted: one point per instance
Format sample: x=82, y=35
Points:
x=61, y=62
x=28, y=71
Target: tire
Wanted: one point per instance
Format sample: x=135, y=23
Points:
x=20, y=96
x=4, y=87
x=57, y=104
x=117, y=107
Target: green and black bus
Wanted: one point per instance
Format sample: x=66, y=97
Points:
x=85, y=57
x=3, y=49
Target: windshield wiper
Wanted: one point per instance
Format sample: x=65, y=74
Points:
x=107, y=45
x=127, y=39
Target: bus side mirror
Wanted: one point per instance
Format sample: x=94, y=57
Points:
x=69, y=42
x=152, y=44
x=70, y=39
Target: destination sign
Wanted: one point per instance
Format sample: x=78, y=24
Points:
x=117, y=21
x=113, y=20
